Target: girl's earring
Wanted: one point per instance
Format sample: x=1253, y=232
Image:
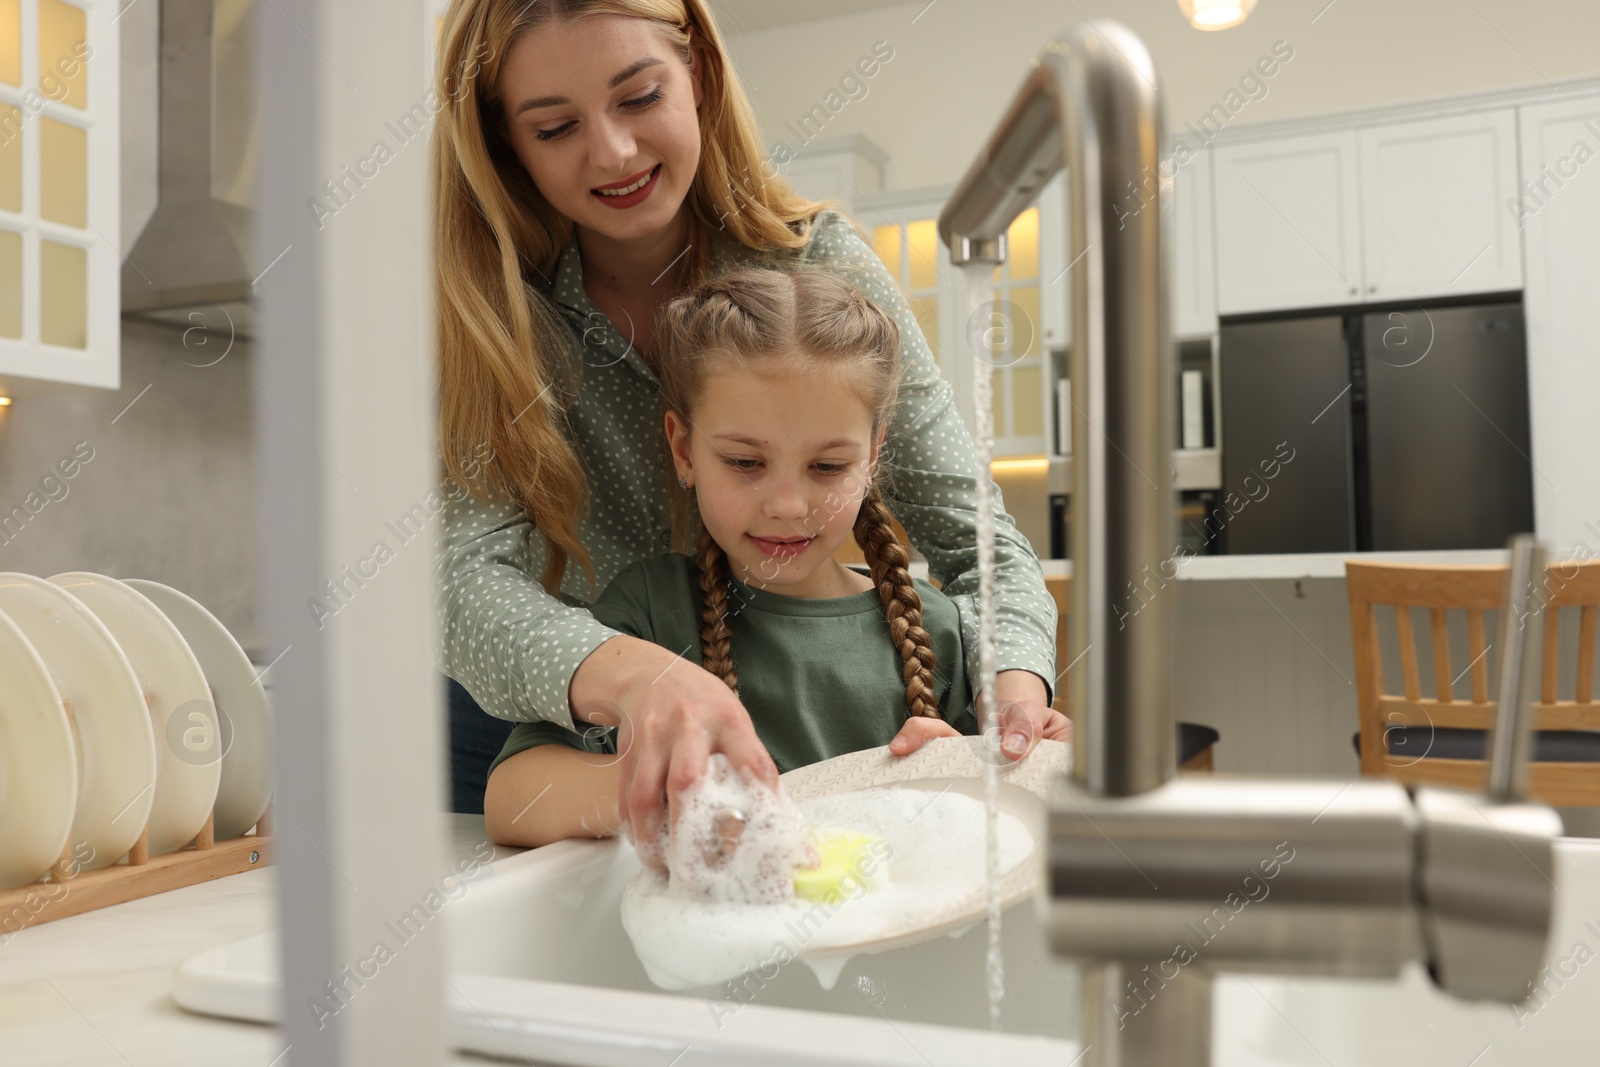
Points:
x=682, y=482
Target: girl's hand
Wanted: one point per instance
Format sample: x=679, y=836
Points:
x=917, y=730
x=671, y=715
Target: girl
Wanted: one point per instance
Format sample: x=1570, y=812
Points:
x=778, y=388
x=591, y=158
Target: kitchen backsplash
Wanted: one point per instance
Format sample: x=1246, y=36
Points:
x=151, y=481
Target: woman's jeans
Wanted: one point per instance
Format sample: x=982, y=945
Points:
x=475, y=740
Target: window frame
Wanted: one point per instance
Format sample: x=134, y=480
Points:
x=28, y=361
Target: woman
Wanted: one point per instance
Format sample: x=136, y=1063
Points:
x=590, y=160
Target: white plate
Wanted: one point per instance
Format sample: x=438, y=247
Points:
x=38, y=768
x=182, y=715
x=242, y=708
x=943, y=764
x=116, y=755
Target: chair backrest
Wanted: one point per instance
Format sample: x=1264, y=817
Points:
x=1475, y=590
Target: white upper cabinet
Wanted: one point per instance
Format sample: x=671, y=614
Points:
x=1056, y=281
x=1288, y=228
x=1434, y=211
x=1559, y=210
x=1388, y=212
x=1192, y=259
x=844, y=167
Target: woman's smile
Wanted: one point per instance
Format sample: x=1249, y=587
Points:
x=629, y=191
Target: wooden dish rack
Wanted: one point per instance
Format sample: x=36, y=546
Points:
x=143, y=875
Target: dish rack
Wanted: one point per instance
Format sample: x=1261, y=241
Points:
x=143, y=875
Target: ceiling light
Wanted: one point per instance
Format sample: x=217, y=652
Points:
x=1216, y=14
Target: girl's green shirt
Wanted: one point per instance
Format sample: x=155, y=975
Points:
x=818, y=677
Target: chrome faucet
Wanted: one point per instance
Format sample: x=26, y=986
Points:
x=1365, y=876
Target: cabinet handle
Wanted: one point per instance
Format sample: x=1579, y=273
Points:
x=1353, y=290
x=1372, y=288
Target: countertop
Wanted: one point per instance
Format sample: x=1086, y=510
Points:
x=94, y=988
x=1298, y=565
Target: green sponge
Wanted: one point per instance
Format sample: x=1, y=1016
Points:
x=846, y=862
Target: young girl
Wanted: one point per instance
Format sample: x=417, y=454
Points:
x=778, y=389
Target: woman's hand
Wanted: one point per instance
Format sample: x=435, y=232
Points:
x=671, y=715
x=1024, y=716
x=1023, y=723
x=1021, y=726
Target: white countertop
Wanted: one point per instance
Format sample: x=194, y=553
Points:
x=94, y=988
x=1298, y=565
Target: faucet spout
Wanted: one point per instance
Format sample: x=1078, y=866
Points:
x=1089, y=104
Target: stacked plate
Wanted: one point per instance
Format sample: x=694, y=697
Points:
x=123, y=706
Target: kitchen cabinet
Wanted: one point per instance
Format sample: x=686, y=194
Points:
x=1559, y=211
x=1288, y=230
x=1192, y=261
x=843, y=167
x=904, y=231
x=60, y=292
x=1386, y=212
x=1007, y=331
x=903, y=227
x=1433, y=211
x=1055, y=286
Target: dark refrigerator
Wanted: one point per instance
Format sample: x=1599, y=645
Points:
x=1382, y=430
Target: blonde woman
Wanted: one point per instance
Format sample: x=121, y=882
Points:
x=592, y=159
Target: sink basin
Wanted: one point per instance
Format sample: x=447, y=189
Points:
x=539, y=967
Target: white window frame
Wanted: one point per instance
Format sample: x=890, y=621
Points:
x=28, y=362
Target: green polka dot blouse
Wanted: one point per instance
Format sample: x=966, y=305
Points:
x=514, y=647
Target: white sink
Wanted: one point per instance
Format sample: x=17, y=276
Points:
x=540, y=968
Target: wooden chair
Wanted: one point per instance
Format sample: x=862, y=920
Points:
x=1195, y=742
x=1441, y=740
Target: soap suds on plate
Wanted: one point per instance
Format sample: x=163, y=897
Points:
x=707, y=929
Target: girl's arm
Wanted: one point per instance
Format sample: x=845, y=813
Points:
x=550, y=793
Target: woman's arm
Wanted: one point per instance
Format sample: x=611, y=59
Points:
x=550, y=793
x=512, y=645
x=528, y=656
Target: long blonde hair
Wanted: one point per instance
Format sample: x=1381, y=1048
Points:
x=507, y=365
x=807, y=316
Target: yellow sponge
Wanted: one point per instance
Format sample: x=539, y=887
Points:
x=847, y=862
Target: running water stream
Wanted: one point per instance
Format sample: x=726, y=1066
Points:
x=980, y=336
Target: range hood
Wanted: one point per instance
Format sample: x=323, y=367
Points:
x=192, y=263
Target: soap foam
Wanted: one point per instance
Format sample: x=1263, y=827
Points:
x=708, y=930
x=755, y=871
